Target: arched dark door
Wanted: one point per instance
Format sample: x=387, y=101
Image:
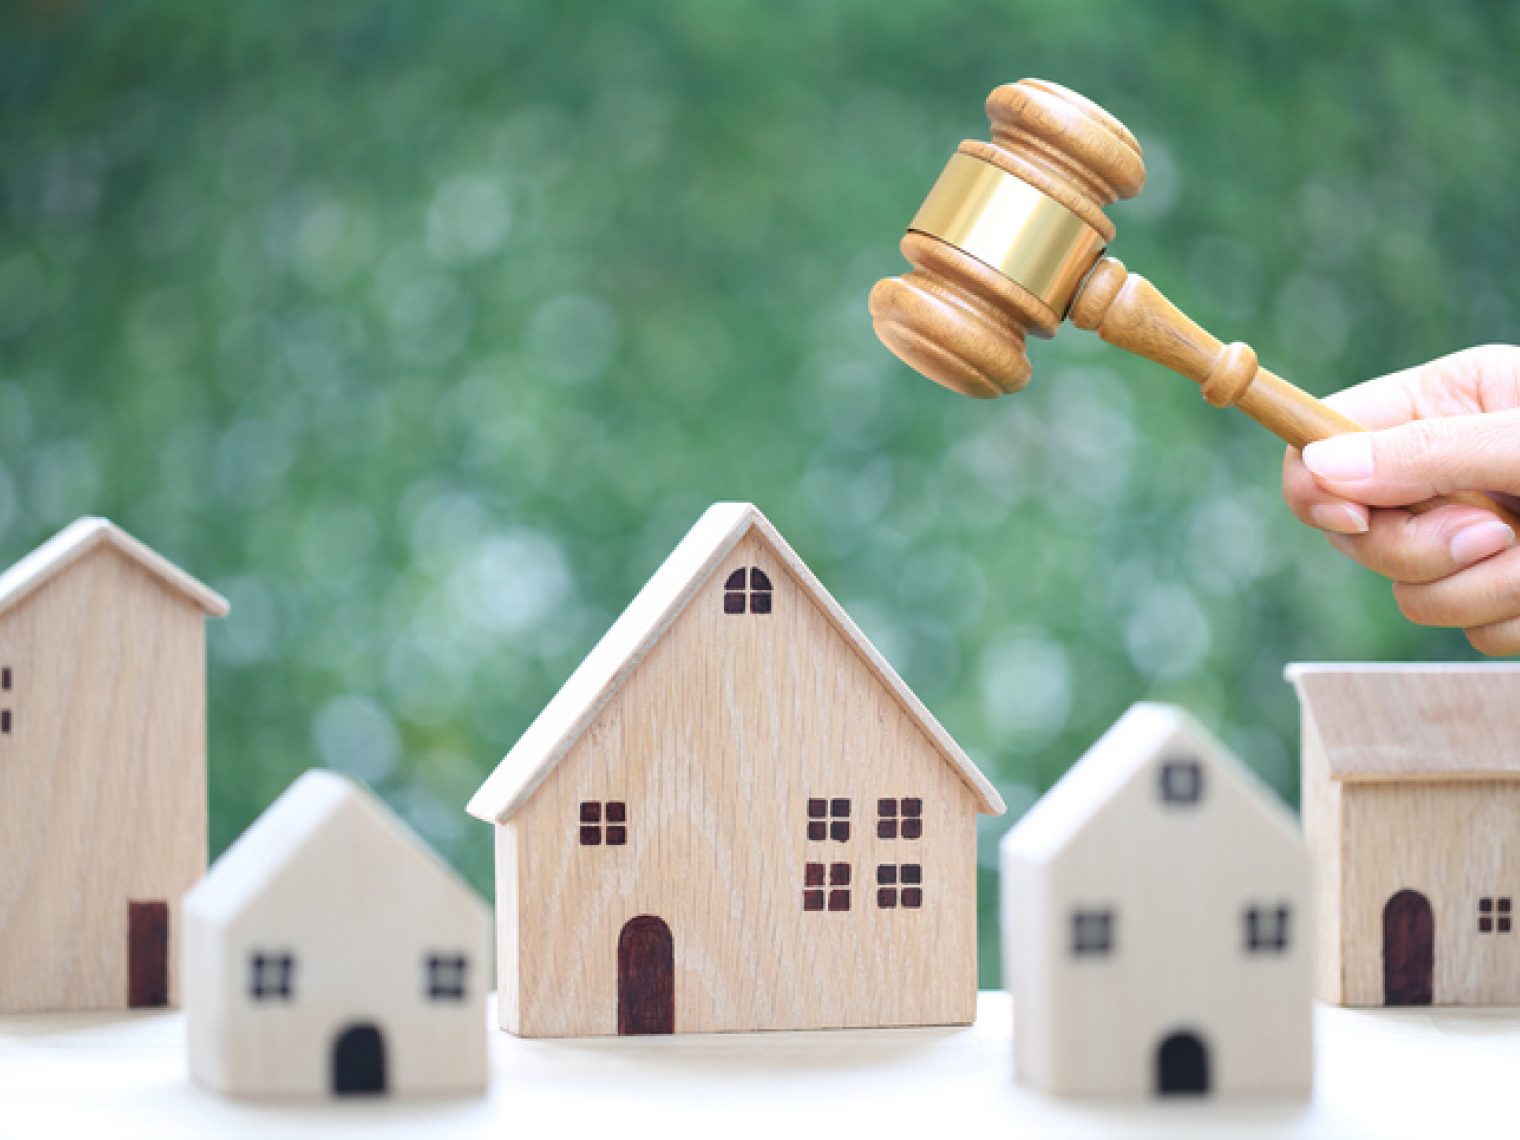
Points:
x=358, y=1062
x=646, y=977
x=1409, y=949
x=1182, y=1066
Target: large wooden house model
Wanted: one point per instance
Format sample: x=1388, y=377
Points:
x=102, y=770
x=331, y=952
x=1411, y=805
x=734, y=816
x=1155, y=923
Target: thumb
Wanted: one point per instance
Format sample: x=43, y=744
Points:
x=1418, y=460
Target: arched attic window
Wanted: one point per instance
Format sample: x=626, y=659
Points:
x=747, y=590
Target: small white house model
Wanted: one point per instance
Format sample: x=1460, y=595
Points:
x=1155, y=923
x=331, y=952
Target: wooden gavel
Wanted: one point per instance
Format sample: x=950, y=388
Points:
x=1010, y=241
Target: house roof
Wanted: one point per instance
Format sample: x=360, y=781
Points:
x=1131, y=744
x=639, y=628
x=80, y=537
x=1413, y=722
x=274, y=842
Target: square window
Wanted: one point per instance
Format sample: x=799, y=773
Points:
x=1266, y=929
x=271, y=976
x=817, y=830
x=886, y=829
x=839, y=808
x=839, y=874
x=5, y=720
x=591, y=811
x=733, y=603
x=886, y=898
x=1181, y=781
x=1092, y=932
x=617, y=835
x=912, y=897
x=446, y=976
x=1485, y=925
x=899, y=818
x=617, y=811
x=760, y=602
x=818, y=809
x=1503, y=924
x=899, y=884
x=838, y=896
x=1504, y=906
x=839, y=900
x=886, y=874
x=829, y=819
x=591, y=836
x=912, y=828
x=886, y=807
x=839, y=831
x=913, y=807
x=5, y=679
x=812, y=875
x=1494, y=916
x=593, y=831
x=1485, y=905
x=912, y=873
x=812, y=900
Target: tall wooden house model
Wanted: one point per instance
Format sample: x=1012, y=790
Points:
x=1411, y=804
x=734, y=816
x=1155, y=923
x=331, y=952
x=102, y=769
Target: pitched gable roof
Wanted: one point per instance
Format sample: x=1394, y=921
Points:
x=80, y=537
x=275, y=841
x=1413, y=722
x=1123, y=753
x=663, y=598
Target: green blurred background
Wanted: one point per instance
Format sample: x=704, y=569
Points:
x=424, y=331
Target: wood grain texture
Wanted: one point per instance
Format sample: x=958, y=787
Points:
x=1411, y=782
x=328, y=877
x=1381, y=1075
x=716, y=743
x=103, y=771
x=1178, y=990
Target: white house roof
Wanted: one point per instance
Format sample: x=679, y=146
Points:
x=639, y=628
x=1120, y=755
x=80, y=537
x=274, y=842
x=1414, y=722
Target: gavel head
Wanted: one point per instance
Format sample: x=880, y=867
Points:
x=1006, y=236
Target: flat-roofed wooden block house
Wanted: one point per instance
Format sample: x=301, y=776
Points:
x=102, y=769
x=734, y=816
x=1411, y=805
x=330, y=952
x=1155, y=910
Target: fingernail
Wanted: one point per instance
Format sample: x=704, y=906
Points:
x=1481, y=540
x=1340, y=457
x=1339, y=518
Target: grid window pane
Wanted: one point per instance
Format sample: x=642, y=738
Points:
x=446, y=976
x=1494, y=916
x=899, y=818
x=1181, y=781
x=594, y=832
x=271, y=975
x=1092, y=932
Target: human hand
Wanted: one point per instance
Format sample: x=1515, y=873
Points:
x=1450, y=425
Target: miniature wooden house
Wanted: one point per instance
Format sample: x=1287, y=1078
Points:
x=1155, y=907
x=329, y=951
x=734, y=816
x=1411, y=805
x=102, y=769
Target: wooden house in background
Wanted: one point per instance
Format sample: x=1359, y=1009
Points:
x=1411, y=805
x=102, y=769
x=1155, y=923
x=734, y=816
x=331, y=952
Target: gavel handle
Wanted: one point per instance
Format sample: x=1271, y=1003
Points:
x=1128, y=311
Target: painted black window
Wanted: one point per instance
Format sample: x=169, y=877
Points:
x=604, y=822
x=1266, y=929
x=747, y=589
x=447, y=976
x=271, y=976
x=1493, y=916
x=5, y=687
x=1092, y=932
x=1181, y=781
x=900, y=819
x=833, y=876
x=900, y=884
x=829, y=819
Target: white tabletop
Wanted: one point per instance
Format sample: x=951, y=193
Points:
x=1382, y=1073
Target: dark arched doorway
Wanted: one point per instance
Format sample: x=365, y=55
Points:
x=646, y=977
x=1182, y=1066
x=358, y=1061
x=1409, y=949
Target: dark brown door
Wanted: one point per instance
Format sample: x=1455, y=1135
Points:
x=1182, y=1066
x=646, y=977
x=1409, y=949
x=147, y=954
